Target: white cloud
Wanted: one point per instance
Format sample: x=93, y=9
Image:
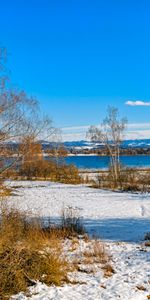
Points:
x=137, y=103
x=74, y=128
x=138, y=126
x=73, y=136
x=133, y=131
x=139, y=134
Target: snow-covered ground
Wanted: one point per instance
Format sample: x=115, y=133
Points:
x=110, y=215
x=121, y=219
x=129, y=282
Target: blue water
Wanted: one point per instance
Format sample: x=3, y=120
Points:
x=102, y=162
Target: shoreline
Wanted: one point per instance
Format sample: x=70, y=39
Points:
x=105, y=170
x=103, y=155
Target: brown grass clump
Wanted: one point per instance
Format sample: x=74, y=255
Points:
x=75, y=244
x=27, y=253
x=141, y=288
x=70, y=226
x=5, y=191
x=108, y=270
x=71, y=222
x=147, y=244
x=97, y=253
x=147, y=238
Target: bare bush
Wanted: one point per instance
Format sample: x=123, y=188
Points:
x=44, y=169
x=27, y=253
x=71, y=221
x=130, y=179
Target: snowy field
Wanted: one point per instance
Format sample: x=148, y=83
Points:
x=120, y=219
x=110, y=215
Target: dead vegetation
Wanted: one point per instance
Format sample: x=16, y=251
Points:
x=44, y=170
x=5, y=191
x=31, y=252
x=71, y=221
x=147, y=239
x=96, y=253
x=90, y=256
x=28, y=253
x=129, y=179
x=108, y=270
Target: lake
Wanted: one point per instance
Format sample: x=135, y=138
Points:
x=102, y=162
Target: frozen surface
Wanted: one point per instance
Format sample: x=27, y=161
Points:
x=110, y=215
x=121, y=219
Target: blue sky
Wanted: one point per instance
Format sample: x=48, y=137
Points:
x=77, y=57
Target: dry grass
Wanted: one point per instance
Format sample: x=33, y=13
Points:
x=27, y=254
x=129, y=179
x=31, y=252
x=96, y=253
x=147, y=238
x=5, y=191
x=108, y=270
x=71, y=222
x=52, y=170
x=147, y=244
x=141, y=288
x=74, y=244
x=70, y=227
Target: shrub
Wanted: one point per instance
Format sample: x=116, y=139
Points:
x=51, y=170
x=27, y=253
x=147, y=236
x=71, y=222
x=67, y=174
x=129, y=180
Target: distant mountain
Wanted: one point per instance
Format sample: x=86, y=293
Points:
x=145, y=143
x=79, y=145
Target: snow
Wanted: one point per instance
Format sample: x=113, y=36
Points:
x=82, y=154
x=120, y=219
x=131, y=271
x=114, y=216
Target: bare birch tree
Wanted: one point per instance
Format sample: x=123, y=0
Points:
x=111, y=134
x=20, y=117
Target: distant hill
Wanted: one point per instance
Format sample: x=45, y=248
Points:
x=145, y=143
x=80, y=145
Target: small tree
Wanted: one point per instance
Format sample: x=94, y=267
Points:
x=30, y=150
x=110, y=133
x=20, y=121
